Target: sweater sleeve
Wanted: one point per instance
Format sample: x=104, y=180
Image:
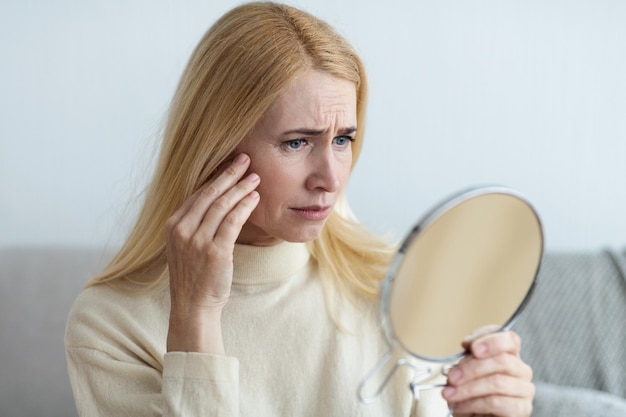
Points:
x=191, y=384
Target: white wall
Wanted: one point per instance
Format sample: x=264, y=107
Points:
x=531, y=94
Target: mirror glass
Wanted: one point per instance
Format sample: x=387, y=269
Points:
x=470, y=262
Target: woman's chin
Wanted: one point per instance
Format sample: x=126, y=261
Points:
x=299, y=233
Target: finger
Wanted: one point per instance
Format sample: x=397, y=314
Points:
x=211, y=191
x=492, y=385
x=230, y=228
x=495, y=406
x=192, y=211
x=496, y=343
x=471, y=368
x=223, y=205
x=225, y=212
x=480, y=332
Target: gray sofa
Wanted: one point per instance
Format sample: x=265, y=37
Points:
x=574, y=331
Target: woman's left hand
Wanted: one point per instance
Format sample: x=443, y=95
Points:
x=492, y=379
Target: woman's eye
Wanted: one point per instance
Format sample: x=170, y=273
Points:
x=343, y=140
x=295, y=144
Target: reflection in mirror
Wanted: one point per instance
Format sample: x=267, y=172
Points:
x=472, y=261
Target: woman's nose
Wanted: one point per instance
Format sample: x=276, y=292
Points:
x=324, y=173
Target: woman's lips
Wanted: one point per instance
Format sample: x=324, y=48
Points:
x=312, y=212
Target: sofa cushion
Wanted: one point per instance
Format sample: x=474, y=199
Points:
x=559, y=401
x=574, y=328
x=37, y=288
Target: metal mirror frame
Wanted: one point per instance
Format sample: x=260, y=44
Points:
x=392, y=341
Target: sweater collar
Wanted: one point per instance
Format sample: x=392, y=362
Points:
x=257, y=265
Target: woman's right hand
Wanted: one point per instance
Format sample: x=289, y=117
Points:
x=200, y=241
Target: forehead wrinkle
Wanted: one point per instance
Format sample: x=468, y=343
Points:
x=333, y=110
x=312, y=106
x=315, y=117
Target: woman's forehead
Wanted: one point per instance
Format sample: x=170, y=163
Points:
x=313, y=98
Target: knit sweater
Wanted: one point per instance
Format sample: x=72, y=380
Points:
x=285, y=355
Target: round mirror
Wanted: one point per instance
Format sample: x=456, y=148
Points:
x=472, y=261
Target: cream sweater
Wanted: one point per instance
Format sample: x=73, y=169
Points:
x=286, y=356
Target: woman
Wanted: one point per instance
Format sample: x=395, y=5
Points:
x=245, y=288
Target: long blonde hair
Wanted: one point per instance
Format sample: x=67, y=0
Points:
x=235, y=73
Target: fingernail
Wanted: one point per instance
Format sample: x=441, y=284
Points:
x=449, y=392
x=253, y=177
x=241, y=158
x=455, y=374
x=480, y=349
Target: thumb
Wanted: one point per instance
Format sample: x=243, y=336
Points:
x=477, y=334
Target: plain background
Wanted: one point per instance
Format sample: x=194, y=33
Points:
x=529, y=94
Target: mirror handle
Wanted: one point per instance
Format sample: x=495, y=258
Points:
x=421, y=373
x=381, y=363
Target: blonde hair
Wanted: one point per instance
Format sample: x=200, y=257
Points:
x=235, y=73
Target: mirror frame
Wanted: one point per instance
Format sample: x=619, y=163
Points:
x=423, y=224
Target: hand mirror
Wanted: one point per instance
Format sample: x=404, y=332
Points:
x=471, y=261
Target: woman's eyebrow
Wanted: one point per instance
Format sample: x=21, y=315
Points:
x=318, y=132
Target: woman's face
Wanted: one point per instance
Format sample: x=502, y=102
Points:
x=302, y=150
